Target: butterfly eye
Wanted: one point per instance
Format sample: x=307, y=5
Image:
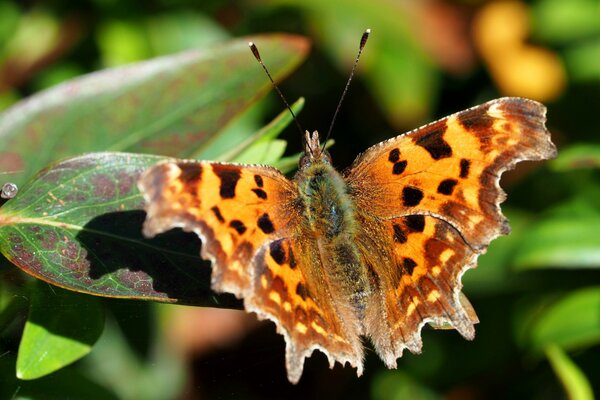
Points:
x=305, y=161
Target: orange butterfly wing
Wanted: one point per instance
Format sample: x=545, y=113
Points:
x=428, y=202
x=248, y=217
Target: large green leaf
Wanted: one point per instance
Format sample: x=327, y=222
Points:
x=61, y=328
x=78, y=225
x=168, y=105
x=572, y=322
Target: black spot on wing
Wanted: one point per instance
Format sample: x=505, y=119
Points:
x=433, y=141
x=218, y=214
x=259, y=180
x=464, y=168
x=399, y=235
x=476, y=119
x=409, y=265
x=292, y=258
x=229, y=176
x=446, y=187
x=277, y=252
x=411, y=196
x=415, y=223
x=394, y=156
x=265, y=224
x=399, y=167
x=301, y=291
x=190, y=172
x=260, y=193
x=238, y=226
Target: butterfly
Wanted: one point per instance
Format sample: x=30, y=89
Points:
x=377, y=250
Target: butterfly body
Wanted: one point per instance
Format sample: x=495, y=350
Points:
x=331, y=221
x=378, y=251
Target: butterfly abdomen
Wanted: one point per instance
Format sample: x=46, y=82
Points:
x=332, y=220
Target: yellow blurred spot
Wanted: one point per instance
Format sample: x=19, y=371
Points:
x=500, y=31
x=287, y=306
x=435, y=271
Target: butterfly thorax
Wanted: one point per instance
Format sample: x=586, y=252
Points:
x=331, y=220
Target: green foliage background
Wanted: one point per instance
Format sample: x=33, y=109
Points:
x=537, y=291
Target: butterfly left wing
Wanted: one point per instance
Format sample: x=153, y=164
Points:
x=248, y=219
x=233, y=208
x=428, y=202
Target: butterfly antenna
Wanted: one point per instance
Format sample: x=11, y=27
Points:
x=363, y=42
x=254, y=50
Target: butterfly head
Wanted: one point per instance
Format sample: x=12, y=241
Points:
x=313, y=151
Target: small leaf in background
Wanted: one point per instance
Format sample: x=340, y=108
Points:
x=263, y=153
x=113, y=363
x=61, y=328
x=561, y=22
x=574, y=381
x=577, y=59
x=571, y=322
x=67, y=383
x=577, y=156
x=560, y=242
x=397, y=385
x=122, y=42
x=266, y=133
x=78, y=225
x=182, y=30
x=169, y=105
x=9, y=20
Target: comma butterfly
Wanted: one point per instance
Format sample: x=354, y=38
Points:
x=376, y=251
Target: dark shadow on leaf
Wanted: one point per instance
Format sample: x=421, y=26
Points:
x=168, y=266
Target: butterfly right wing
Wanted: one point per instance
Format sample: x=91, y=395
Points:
x=428, y=202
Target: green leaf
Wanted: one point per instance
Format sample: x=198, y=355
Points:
x=266, y=133
x=579, y=156
x=159, y=375
x=263, y=152
x=78, y=225
x=561, y=242
x=565, y=21
x=61, y=328
x=577, y=386
x=398, y=72
x=397, y=385
x=67, y=383
x=577, y=59
x=572, y=322
x=170, y=105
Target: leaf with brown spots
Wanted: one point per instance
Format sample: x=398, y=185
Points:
x=78, y=224
x=178, y=105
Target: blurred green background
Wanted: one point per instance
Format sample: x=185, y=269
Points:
x=537, y=291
